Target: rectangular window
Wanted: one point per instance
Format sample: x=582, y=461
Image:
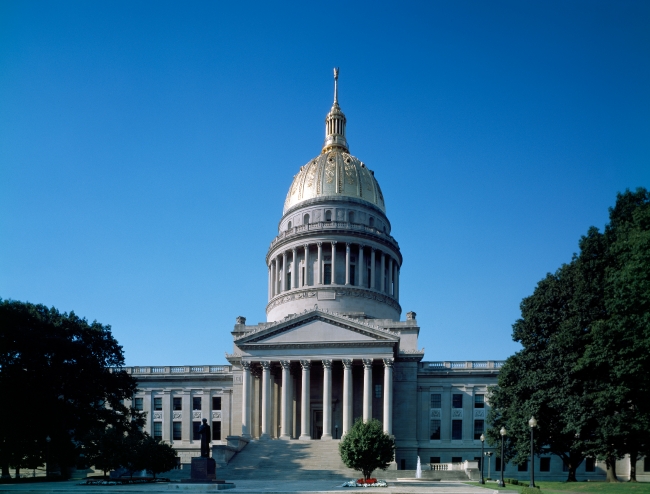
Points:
x=478, y=460
x=457, y=401
x=523, y=467
x=195, y=431
x=157, y=404
x=544, y=464
x=456, y=459
x=479, y=401
x=434, y=460
x=565, y=467
x=646, y=464
x=497, y=464
x=216, y=402
x=590, y=465
x=138, y=404
x=377, y=390
x=456, y=429
x=178, y=404
x=216, y=431
x=436, y=401
x=157, y=430
x=478, y=429
x=196, y=403
x=435, y=430
x=327, y=274
x=176, y=431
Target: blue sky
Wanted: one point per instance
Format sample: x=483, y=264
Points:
x=146, y=149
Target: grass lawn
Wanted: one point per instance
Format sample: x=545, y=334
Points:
x=577, y=487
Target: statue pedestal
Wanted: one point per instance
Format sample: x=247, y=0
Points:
x=203, y=469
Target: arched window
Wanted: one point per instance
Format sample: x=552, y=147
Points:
x=328, y=216
x=351, y=216
x=305, y=219
x=371, y=222
x=289, y=226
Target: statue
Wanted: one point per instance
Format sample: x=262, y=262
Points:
x=204, y=432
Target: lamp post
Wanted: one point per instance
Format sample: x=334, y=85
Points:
x=503, y=433
x=489, y=455
x=532, y=423
x=482, y=438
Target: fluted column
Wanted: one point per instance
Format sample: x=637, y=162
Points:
x=396, y=282
x=347, y=396
x=361, y=268
x=382, y=273
x=334, y=262
x=320, y=263
x=294, y=268
x=270, y=278
x=305, y=401
x=285, y=432
x=388, y=396
x=283, y=281
x=327, y=400
x=266, y=400
x=372, y=269
x=347, y=263
x=390, y=276
x=367, y=389
x=305, y=279
x=246, y=400
x=274, y=277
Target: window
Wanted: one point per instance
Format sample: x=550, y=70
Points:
x=196, y=403
x=157, y=430
x=216, y=431
x=479, y=428
x=216, y=402
x=351, y=217
x=479, y=401
x=434, y=459
x=138, y=404
x=305, y=219
x=646, y=464
x=289, y=226
x=457, y=401
x=353, y=272
x=436, y=400
x=544, y=464
x=497, y=464
x=478, y=460
x=176, y=431
x=177, y=404
x=288, y=285
x=435, y=429
x=377, y=390
x=590, y=465
x=456, y=429
x=402, y=464
x=371, y=222
x=523, y=467
x=456, y=459
x=157, y=404
x=195, y=431
x=327, y=274
x=328, y=216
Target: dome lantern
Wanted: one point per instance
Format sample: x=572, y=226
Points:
x=335, y=122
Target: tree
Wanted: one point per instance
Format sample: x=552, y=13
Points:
x=64, y=365
x=366, y=447
x=158, y=456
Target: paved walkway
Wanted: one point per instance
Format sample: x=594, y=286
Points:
x=267, y=487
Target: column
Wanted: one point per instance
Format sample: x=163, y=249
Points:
x=274, y=277
x=388, y=396
x=327, y=400
x=285, y=431
x=390, y=276
x=372, y=269
x=361, y=267
x=396, y=282
x=347, y=263
x=305, y=402
x=319, y=261
x=305, y=280
x=266, y=400
x=294, y=269
x=347, y=396
x=270, y=279
x=283, y=280
x=367, y=389
x=382, y=275
x=246, y=400
x=334, y=262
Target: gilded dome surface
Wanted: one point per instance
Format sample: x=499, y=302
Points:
x=334, y=173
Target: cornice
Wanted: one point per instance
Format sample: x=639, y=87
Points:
x=341, y=290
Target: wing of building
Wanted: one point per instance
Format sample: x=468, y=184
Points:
x=333, y=349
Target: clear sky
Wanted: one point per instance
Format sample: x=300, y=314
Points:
x=146, y=149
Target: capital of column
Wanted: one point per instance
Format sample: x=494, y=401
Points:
x=388, y=362
x=347, y=363
x=327, y=363
x=319, y=244
x=286, y=364
x=305, y=364
x=306, y=246
x=367, y=363
x=266, y=364
x=334, y=242
x=246, y=366
x=347, y=246
x=361, y=246
x=293, y=250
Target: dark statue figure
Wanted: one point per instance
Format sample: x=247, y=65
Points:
x=204, y=432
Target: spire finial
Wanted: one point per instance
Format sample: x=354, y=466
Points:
x=336, y=84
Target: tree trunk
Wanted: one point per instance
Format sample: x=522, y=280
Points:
x=5, y=471
x=17, y=473
x=572, y=474
x=610, y=462
x=633, y=457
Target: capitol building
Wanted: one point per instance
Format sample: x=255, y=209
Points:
x=335, y=347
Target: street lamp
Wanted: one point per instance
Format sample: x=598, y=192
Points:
x=532, y=423
x=489, y=455
x=503, y=433
x=482, y=438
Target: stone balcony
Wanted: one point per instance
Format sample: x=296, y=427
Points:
x=179, y=370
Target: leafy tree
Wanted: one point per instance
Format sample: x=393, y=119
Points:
x=62, y=364
x=366, y=447
x=158, y=456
